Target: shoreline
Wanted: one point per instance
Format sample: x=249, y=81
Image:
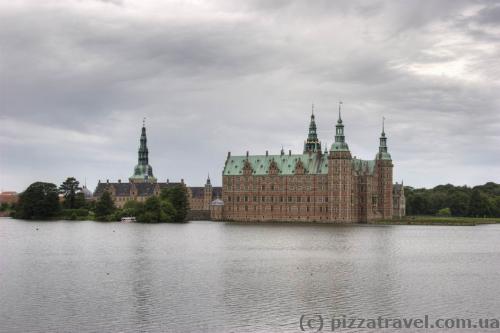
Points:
x=412, y=220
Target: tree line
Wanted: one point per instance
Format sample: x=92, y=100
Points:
x=450, y=200
x=41, y=201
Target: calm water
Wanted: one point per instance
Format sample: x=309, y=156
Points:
x=217, y=277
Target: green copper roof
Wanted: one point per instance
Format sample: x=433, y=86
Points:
x=382, y=149
x=339, y=146
x=312, y=143
x=313, y=164
x=143, y=171
x=383, y=156
x=362, y=166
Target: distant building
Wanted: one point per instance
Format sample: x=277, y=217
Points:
x=87, y=193
x=329, y=186
x=201, y=197
x=143, y=184
x=9, y=197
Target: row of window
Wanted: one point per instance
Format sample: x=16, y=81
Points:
x=242, y=187
x=255, y=198
x=265, y=179
x=292, y=209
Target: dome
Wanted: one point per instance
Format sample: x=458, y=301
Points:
x=217, y=202
x=86, y=192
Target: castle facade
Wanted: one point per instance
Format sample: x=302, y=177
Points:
x=315, y=186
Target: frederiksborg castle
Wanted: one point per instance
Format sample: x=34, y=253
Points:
x=329, y=186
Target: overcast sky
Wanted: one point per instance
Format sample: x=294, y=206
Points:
x=77, y=77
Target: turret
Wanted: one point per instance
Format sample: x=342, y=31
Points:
x=207, y=194
x=312, y=144
x=340, y=182
x=382, y=149
x=384, y=174
x=339, y=145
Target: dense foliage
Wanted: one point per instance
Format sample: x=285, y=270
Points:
x=73, y=197
x=446, y=200
x=39, y=201
x=104, y=207
x=171, y=206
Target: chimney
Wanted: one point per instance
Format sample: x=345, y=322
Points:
x=119, y=180
x=267, y=153
x=228, y=154
x=168, y=181
x=290, y=152
x=182, y=181
x=247, y=153
x=107, y=181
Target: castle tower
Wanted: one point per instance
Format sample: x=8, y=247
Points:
x=143, y=172
x=340, y=176
x=383, y=162
x=207, y=194
x=312, y=144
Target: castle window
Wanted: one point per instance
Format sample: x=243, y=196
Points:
x=246, y=198
x=237, y=199
x=326, y=199
x=289, y=199
x=255, y=198
x=298, y=199
x=281, y=199
x=308, y=199
x=263, y=199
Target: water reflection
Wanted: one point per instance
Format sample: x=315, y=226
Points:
x=217, y=277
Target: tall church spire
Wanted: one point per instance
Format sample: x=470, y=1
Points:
x=312, y=144
x=382, y=149
x=339, y=144
x=143, y=172
x=143, y=147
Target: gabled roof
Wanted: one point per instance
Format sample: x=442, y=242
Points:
x=363, y=166
x=313, y=164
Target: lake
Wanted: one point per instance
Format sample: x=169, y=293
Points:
x=219, y=277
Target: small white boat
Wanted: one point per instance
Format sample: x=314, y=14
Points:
x=128, y=219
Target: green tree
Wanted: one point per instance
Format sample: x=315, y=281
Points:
x=4, y=206
x=39, y=201
x=178, y=197
x=154, y=210
x=479, y=205
x=444, y=212
x=80, y=201
x=69, y=188
x=459, y=203
x=104, y=207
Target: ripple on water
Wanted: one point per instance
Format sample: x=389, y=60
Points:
x=215, y=277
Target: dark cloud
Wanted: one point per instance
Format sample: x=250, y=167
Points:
x=76, y=78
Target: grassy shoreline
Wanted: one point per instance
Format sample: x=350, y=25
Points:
x=436, y=220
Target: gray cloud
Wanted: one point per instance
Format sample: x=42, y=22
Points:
x=76, y=78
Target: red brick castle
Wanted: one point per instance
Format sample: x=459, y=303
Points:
x=315, y=186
